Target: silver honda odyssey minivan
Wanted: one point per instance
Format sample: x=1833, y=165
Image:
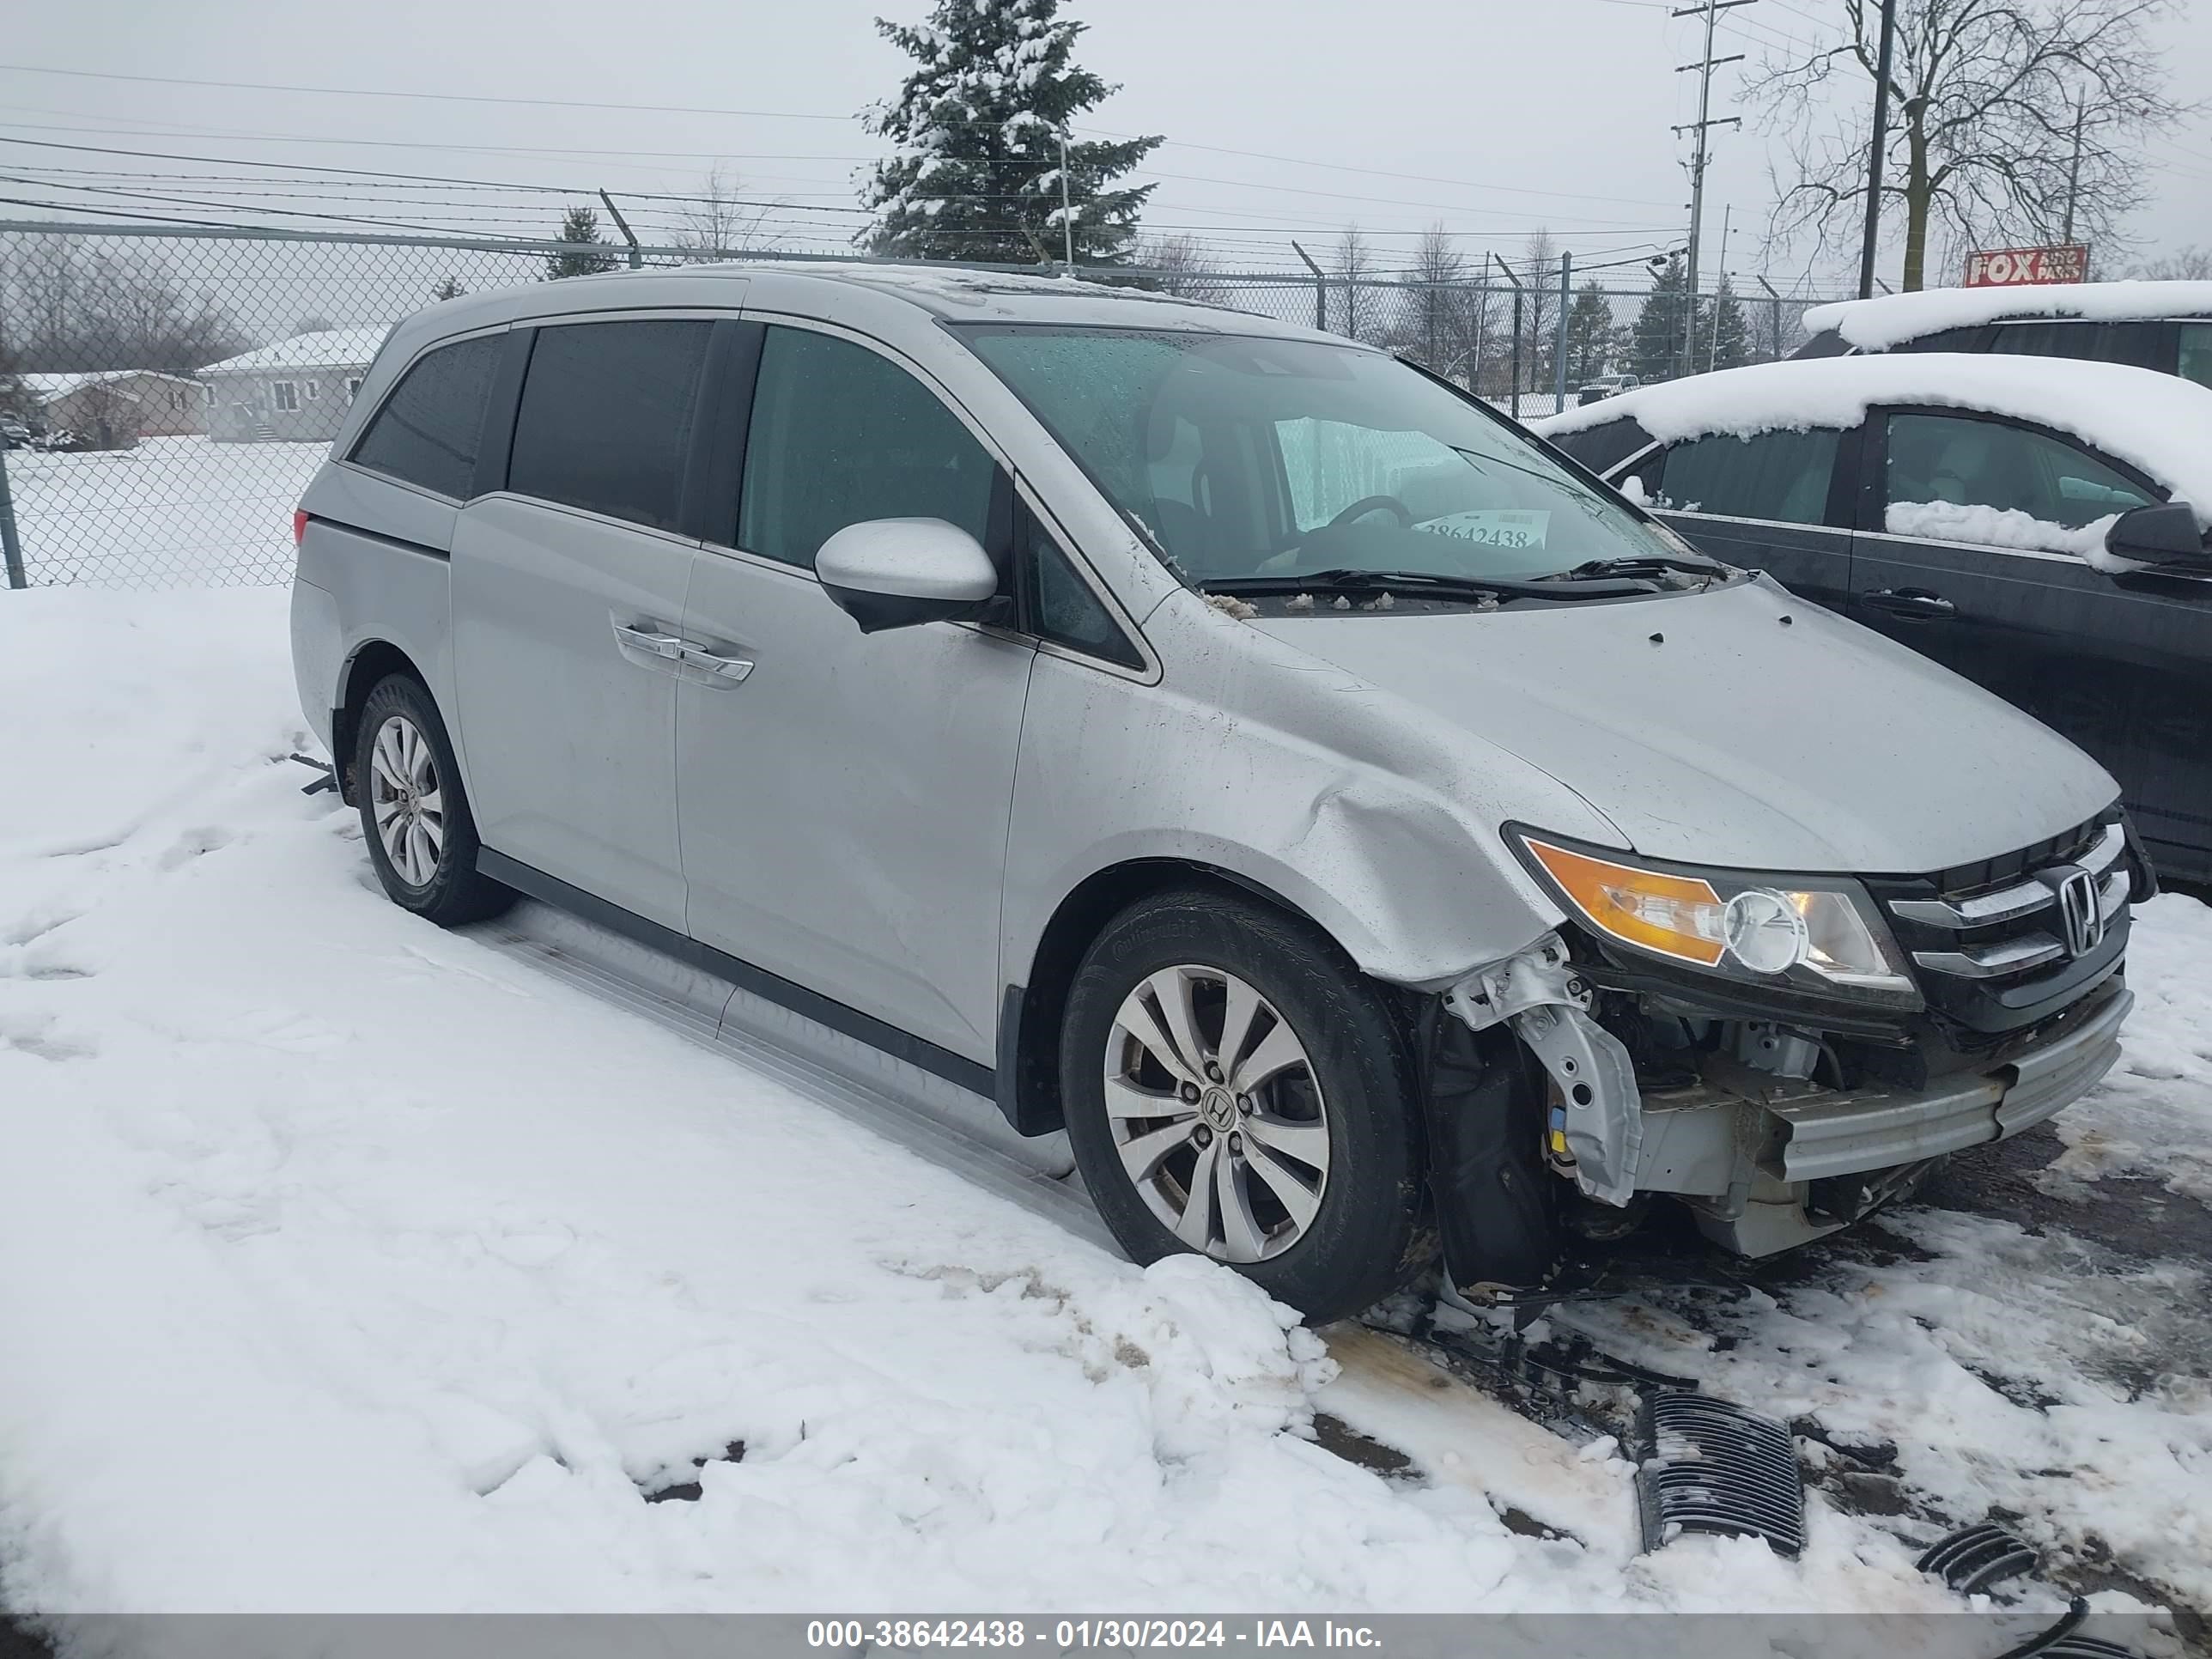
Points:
x=1366, y=835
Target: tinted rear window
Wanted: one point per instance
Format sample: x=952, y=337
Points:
x=2136, y=342
x=428, y=431
x=1600, y=448
x=1782, y=475
x=605, y=419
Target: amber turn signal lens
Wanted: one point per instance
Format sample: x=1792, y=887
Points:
x=1677, y=916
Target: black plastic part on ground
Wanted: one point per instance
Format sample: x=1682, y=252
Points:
x=19, y=1641
x=1704, y=1465
x=1974, y=1558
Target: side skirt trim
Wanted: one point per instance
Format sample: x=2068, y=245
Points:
x=772, y=988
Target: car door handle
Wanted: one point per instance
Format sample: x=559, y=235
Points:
x=1909, y=603
x=733, y=669
x=649, y=642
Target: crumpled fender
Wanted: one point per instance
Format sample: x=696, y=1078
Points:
x=1377, y=817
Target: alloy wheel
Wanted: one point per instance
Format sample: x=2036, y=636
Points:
x=406, y=799
x=1217, y=1114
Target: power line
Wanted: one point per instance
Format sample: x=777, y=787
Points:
x=782, y=115
x=434, y=97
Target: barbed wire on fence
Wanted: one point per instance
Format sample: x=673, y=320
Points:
x=168, y=391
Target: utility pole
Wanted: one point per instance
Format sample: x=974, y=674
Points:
x=2073, y=172
x=1067, y=213
x=1884, y=58
x=1710, y=11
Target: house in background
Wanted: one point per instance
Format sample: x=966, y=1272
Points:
x=112, y=409
x=293, y=392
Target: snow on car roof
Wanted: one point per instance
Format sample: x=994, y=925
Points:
x=2159, y=422
x=1878, y=324
x=1017, y=296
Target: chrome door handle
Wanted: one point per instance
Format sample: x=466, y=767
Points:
x=1909, y=602
x=649, y=642
x=733, y=669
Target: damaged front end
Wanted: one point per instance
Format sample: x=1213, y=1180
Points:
x=1782, y=1055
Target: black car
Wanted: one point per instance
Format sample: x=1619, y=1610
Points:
x=2163, y=327
x=1955, y=505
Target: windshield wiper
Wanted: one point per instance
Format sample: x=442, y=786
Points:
x=1424, y=583
x=1640, y=564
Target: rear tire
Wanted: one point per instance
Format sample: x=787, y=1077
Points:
x=1235, y=1087
x=414, y=811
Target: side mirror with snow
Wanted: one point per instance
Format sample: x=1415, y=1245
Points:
x=899, y=572
x=2167, y=535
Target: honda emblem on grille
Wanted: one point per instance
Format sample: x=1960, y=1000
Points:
x=2081, y=911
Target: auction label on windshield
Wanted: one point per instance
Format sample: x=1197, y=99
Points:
x=1495, y=527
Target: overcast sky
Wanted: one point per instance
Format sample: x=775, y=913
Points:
x=1496, y=116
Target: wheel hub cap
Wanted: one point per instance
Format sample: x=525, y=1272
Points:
x=406, y=801
x=1219, y=1108
x=1216, y=1113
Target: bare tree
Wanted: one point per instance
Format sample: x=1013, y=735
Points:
x=720, y=221
x=1358, y=312
x=1540, y=269
x=2016, y=118
x=1177, y=265
x=68, y=306
x=2190, y=264
x=1438, y=328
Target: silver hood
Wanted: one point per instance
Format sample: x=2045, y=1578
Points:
x=1708, y=730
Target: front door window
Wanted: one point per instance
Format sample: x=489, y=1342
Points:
x=1951, y=478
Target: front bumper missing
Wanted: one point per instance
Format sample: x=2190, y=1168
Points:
x=1752, y=1152
x=1692, y=1137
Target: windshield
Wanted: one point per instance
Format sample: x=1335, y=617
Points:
x=1247, y=457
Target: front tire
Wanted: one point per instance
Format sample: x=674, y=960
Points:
x=1233, y=1087
x=414, y=812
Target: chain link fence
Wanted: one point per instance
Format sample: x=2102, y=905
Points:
x=167, y=393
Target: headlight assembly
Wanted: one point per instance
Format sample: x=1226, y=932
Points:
x=1813, y=933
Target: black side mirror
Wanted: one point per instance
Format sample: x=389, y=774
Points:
x=2168, y=535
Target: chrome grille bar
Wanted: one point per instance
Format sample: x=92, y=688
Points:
x=2016, y=956
x=2011, y=903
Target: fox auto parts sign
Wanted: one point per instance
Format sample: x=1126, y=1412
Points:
x=2013, y=267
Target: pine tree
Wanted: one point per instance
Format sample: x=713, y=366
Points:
x=449, y=289
x=1591, y=335
x=579, y=225
x=974, y=171
x=1724, y=336
x=1656, y=339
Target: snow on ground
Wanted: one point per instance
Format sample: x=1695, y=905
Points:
x=357, y=1266
x=171, y=511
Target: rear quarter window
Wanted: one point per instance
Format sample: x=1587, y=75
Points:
x=1600, y=448
x=1782, y=476
x=428, y=431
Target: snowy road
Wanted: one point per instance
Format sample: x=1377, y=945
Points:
x=351, y=1265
